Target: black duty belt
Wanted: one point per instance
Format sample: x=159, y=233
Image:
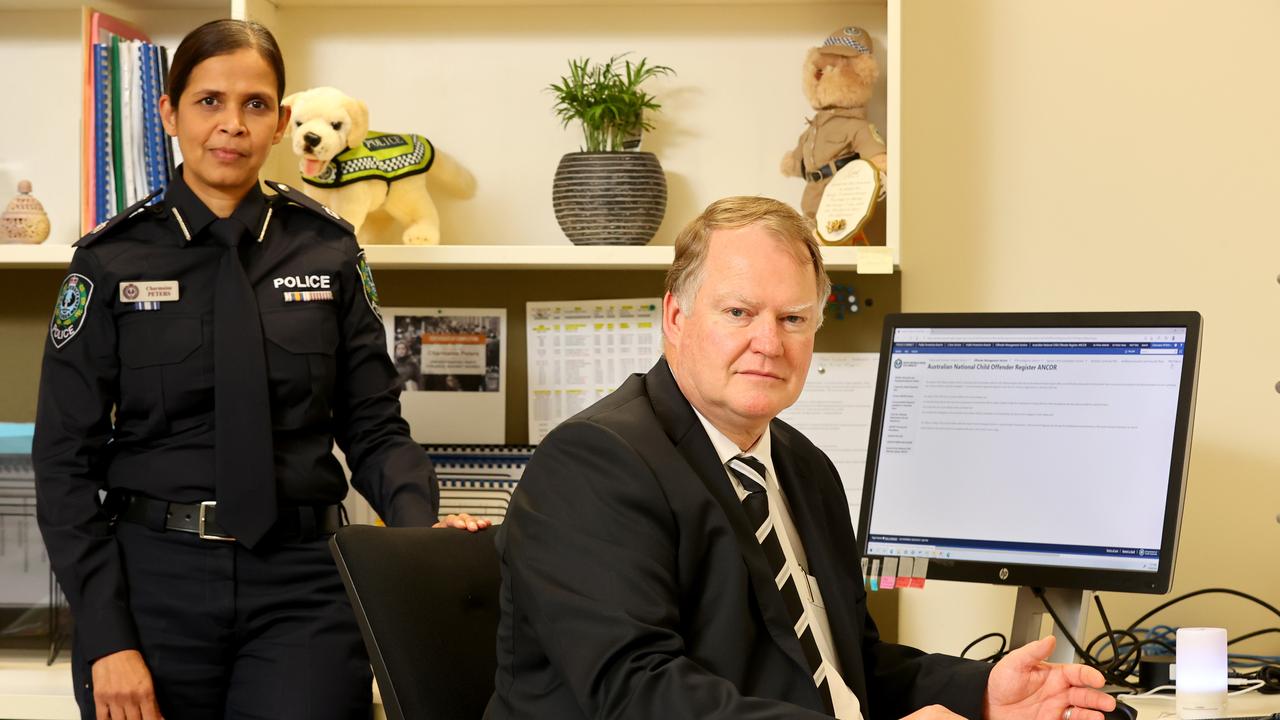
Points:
x=830, y=168
x=293, y=522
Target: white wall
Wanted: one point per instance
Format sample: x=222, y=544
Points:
x=1095, y=155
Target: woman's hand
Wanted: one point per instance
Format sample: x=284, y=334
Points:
x=122, y=688
x=463, y=521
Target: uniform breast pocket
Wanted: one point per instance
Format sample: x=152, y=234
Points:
x=163, y=373
x=301, y=363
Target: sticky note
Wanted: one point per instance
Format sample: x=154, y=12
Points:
x=874, y=260
x=919, y=572
x=889, y=576
x=904, y=572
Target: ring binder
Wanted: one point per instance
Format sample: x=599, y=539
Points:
x=478, y=479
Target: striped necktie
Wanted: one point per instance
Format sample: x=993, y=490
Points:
x=750, y=473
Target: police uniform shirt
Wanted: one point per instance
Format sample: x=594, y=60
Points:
x=132, y=337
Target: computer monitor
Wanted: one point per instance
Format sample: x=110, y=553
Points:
x=1044, y=450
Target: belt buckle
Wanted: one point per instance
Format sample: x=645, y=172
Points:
x=204, y=508
x=814, y=175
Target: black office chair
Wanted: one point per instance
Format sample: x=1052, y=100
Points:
x=427, y=604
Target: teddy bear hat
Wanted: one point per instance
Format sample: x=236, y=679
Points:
x=849, y=40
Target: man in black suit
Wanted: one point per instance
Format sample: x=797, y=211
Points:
x=675, y=551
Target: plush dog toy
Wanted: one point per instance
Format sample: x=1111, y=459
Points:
x=838, y=80
x=356, y=172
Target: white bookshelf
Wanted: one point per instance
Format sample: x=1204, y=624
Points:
x=32, y=690
x=472, y=77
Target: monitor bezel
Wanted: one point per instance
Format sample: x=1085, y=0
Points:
x=1046, y=575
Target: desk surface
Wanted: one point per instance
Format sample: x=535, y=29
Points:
x=1161, y=707
x=30, y=690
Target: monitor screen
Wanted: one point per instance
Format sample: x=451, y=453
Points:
x=1046, y=450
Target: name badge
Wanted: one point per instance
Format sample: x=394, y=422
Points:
x=148, y=291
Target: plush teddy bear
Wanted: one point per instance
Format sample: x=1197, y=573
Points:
x=838, y=80
x=356, y=172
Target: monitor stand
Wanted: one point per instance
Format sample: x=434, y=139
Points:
x=1072, y=606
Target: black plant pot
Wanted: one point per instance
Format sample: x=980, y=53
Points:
x=609, y=198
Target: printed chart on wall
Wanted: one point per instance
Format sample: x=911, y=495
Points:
x=582, y=350
x=834, y=412
x=452, y=364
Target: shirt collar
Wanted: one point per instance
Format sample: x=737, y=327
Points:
x=727, y=449
x=194, y=216
x=827, y=113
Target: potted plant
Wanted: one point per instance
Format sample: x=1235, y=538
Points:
x=608, y=194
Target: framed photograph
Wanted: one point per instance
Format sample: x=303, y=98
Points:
x=452, y=364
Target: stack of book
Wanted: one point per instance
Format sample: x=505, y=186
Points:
x=126, y=153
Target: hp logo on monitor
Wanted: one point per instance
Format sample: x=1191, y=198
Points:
x=1004, y=573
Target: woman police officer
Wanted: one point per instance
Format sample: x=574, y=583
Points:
x=234, y=337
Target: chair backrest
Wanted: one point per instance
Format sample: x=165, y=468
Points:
x=427, y=604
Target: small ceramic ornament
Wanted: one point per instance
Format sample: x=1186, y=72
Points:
x=24, y=220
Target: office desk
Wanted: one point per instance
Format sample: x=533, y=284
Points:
x=1162, y=707
x=31, y=691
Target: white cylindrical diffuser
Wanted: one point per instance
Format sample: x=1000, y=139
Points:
x=1201, y=672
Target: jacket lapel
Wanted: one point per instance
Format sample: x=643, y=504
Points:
x=802, y=476
x=685, y=431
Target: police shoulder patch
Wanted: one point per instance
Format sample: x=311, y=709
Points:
x=366, y=281
x=300, y=198
x=70, y=309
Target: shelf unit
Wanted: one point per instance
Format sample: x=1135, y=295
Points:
x=476, y=87
x=465, y=257
x=31, y=690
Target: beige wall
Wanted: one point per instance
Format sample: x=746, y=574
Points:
x=1096, y=155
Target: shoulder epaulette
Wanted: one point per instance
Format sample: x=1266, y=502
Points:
x=104, y=228
x=300, y=198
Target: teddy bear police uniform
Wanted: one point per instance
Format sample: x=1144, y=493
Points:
x=131, y=401
x=839, y=133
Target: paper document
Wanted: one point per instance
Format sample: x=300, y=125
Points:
x=834, y=412
x=452, y=364
x=582, y=350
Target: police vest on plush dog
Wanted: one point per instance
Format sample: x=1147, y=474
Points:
x=357, y=172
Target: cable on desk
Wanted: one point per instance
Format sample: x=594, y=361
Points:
x=1004, y=643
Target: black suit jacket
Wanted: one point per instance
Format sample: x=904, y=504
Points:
x=632, y=586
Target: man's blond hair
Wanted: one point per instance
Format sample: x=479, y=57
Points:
x=789, y=227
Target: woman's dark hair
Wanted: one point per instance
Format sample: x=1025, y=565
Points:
x=222, y=37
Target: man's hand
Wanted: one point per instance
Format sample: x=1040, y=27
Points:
x=1022, y=686
x=463, y=521
x=122, y=688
